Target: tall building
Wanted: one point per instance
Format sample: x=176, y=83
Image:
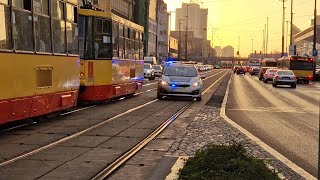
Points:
x=145, y=14
x=152, y=33
x=227, y=51
x=122, y=8
x=197, y=19
x=162, y=31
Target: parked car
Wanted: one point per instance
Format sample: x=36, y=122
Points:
x=157, y=70
x=284, y=77
x=180, y=80
x=254, y=71
x=148, y=71
x=268, y=76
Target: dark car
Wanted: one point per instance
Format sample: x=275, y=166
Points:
x=254, y=71
x=261, y=72
x=235, y=69
x=241, y=70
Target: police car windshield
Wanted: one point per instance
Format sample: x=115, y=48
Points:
x=184, y=71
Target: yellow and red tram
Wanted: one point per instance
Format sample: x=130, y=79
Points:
x=111, y=52
x=39, y=62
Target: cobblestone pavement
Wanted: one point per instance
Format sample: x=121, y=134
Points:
x=208, y=127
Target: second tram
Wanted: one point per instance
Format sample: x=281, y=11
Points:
x=111, y=51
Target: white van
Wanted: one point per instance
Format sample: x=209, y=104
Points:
x=150, y=60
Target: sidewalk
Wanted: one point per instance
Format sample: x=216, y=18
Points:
x=209, y=127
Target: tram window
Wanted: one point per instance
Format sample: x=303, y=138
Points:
x=41, y=6
x=58, y=9
x=5, y=36
x=102, y=41
x=71, y=13
x=22, y=4
x=98, y=26
x=106, y=27
x=4, y=2
x=72, y=38
x=58, y=36
x=115, y=39
x=42, y=33
x=82, y=32
x=22, y=30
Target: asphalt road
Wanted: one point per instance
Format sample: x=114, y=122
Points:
x=284, y=118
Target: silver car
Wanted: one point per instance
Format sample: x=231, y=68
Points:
x=268, y=76
x=180, y=80
x=157, y=70
x=148, y=71
x=284, y=77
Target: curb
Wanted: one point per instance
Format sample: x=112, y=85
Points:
x=263, y=145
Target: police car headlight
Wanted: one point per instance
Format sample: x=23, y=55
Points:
x=195, y=84
x=164, y=83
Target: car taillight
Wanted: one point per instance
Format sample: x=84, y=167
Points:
x=309, y=77
x=276, y=77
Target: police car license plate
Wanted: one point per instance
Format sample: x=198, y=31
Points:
x=179, y=90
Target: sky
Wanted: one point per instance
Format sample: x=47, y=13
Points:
x=231, y=19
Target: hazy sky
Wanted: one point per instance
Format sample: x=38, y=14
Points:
x=246, y=18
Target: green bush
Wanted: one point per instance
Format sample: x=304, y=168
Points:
x=225, y=162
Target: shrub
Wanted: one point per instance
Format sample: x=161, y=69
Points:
x=225, y=162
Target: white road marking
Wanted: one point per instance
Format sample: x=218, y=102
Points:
x=269, y=149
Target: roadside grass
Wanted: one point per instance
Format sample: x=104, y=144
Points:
x=219, y=162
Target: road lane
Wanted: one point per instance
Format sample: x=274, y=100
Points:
x=284, y=118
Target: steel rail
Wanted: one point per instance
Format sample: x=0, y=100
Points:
x=106, y=172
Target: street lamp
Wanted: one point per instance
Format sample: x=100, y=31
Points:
x=283, y=19
x=186, y=47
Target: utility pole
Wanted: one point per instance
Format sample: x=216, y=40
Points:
x=283, y=19
x=186, y=46
x=179, y=43
x=252, y=45
x=291, y=22
x=267, y=37
x=212, y=38
x=315, y=26
x=239, y=46
x=263, y=41
x=287, y=36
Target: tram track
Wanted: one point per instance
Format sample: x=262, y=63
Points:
x=110, y=169
x=72, y=136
